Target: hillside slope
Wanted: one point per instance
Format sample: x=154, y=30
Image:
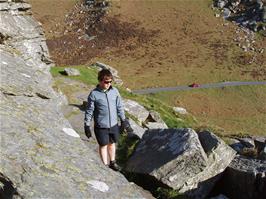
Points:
x=166, y=43
x=180, y=41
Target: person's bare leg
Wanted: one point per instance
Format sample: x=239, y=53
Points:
x=103, y=154
x=111, y=151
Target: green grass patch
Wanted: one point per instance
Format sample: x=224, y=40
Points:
x=162, y=193
x=125, y=148
x=88, y=75
x=170, y=117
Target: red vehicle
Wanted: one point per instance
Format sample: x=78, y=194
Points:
x=194, y=85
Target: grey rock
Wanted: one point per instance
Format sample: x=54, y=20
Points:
x=175, y=158
x=87, y=37
x=76, y=119
x=71, y=132
x=244, y=178
x=264, y=14
x=260, y=142
x=53, y=157
x=219, y=156
x=159, y=147
x=262, y=154
x=238, y=146
x=4, y=6
x=180, y=110
x=20, y=27
x=14, y=6
x=138, y=131
x=226, y=13
x=136, y=110
x=41, y=155
x=156, y=125
x=221, y=3
x=71, y=72
x=154, y=121
x=260, y=3
x=144, y=192
x=247, y=142
x=31, y=77
x=26, y=36
x=154, y=116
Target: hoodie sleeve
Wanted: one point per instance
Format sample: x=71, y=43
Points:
x=120, y=107
x=89, y=109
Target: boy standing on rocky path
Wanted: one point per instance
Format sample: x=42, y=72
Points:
x=105, y=106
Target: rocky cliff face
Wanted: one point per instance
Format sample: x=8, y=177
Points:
x=41, y=155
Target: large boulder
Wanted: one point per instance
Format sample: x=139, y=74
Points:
x=154, y=121
x=260, y=142
x=71, y=72
x=182, y=160
x=136, y=110
x=245, y=178
x=156, y=125
x=41, y=155
x=138, y=131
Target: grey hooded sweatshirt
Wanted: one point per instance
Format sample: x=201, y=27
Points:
x=104, y=107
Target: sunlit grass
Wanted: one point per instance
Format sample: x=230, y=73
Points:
x=88, y=75
x=239, y=109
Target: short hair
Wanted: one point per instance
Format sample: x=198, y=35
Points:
x=104, y=73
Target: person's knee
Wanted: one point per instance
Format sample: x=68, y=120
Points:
x=102, y=147
x=111, y=145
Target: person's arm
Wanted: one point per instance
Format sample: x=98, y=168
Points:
x=121, y=113
x=120, y=107
x=89, y=114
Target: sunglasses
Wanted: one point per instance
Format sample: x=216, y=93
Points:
x=107, y=82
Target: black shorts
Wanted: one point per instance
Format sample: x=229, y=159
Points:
x=106, y=136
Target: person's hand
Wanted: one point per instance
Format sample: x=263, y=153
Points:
x=87, y=131
x=125, y=126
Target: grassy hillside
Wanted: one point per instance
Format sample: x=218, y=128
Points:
x=233, y=110
x=190, y=44
x=240, y=109
x=168, y=43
